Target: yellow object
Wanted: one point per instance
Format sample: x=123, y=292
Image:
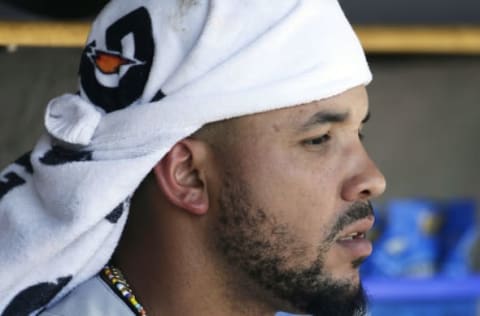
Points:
x=44, y=34
x=420, y=39
x=375, y=39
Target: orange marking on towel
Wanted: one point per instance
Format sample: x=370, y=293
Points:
x=109, y=63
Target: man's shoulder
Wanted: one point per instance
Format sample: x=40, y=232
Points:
x=92, y=298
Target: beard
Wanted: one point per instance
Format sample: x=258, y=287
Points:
x=259, y=246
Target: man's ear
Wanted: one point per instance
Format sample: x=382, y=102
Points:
x=181, y=177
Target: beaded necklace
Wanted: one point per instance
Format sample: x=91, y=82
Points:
x=115, y=279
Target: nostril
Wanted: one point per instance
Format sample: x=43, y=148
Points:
x=365, y=194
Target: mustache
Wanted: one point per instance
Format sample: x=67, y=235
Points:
x=357, y=211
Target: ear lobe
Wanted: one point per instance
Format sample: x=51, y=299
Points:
x=179, y=176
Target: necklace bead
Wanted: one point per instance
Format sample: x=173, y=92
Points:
x=115, y=278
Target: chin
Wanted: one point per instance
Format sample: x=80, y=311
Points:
x=350, y=272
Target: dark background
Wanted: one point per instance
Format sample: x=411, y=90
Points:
x=430, y=12
x=47, y=9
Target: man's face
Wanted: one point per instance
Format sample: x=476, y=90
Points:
x=293, y=203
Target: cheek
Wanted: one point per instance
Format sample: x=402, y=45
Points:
x=300, y=192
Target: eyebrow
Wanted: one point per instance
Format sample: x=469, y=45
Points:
x=324, y=117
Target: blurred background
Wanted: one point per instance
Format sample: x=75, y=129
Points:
x=424, y=132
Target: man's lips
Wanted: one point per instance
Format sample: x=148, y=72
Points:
x=353, y=238
x=357, y=229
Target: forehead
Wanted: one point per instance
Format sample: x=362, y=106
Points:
x=353, y=102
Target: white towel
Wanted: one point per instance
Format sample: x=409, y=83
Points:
x=153, y=72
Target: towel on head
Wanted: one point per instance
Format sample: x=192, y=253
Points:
x=152, y=73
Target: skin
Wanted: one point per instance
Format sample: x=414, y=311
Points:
x=187, y=248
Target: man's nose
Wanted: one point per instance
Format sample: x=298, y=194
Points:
x=366, y=182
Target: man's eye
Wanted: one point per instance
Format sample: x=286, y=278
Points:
x=318, y=140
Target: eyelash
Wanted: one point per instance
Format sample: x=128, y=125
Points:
x=318, y=140
x=325, y=138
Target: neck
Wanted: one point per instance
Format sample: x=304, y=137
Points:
x=172, y=272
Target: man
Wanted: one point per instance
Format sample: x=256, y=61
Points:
x=242, y=122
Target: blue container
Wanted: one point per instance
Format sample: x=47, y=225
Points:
x=410, y=244
x=439, y=296
x=424, y=240
x=459, y=234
